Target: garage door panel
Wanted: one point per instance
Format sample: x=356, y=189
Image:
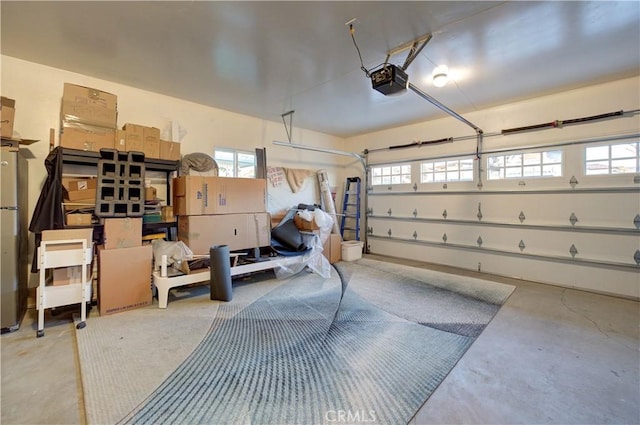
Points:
x=576, y=209
x=613, y=281
x=547, y=242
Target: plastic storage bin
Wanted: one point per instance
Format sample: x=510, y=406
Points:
x=351, y=250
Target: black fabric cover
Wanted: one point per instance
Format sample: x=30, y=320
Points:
x=288, y=235
x=48, y=213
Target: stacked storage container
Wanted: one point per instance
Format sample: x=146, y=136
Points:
x=120, y=184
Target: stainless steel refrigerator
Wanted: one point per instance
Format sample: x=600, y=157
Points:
x=14, y=243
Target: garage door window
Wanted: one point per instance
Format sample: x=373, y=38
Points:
x=618, y=158
x=448, y=170
x=524, y=165
x=392, y=174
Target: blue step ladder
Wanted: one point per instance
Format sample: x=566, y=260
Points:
x=351, y=208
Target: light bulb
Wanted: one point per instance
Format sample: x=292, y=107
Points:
x=440, y=77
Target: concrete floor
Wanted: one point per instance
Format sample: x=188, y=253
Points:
x=551, y=356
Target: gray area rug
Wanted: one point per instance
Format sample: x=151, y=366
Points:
x=370, y=347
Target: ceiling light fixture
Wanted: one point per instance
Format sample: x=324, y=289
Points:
x=440, y=76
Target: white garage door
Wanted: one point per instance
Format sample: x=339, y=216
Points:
x=562, y=214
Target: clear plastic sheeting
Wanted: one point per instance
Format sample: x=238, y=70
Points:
x=176, y=253
x=313, y=259
x=325, y=222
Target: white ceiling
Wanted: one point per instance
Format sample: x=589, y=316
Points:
x=266, y=58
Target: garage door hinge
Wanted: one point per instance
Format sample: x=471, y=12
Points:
x=444, y=238
x=636, y=221
x=415, y=235
x=415, y=213
x=636, y=257
x=573, y=219
x=415, y=187
x=389, y=233
x=479, y=241
x=444, y=214
x=369, y=211
x=389, y=212
x=573, y=251
x=370, y=230
x=479, y=215
x=522, y=217
x=521, y=245
x=573, y=182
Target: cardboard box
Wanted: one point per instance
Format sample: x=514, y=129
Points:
x=124, y=279
x=151, y=149
x=68, y=234
x=82, y=184
x=121, y=140
x=122, y=232
x=86, y=137
x=198, y=195
x=69, y=275
x=169, y=150
x=238, y=231
x=80, y=203
x=332, y=248
x=134, y=137
x=7, y=116
x=151, y=134
x=88, y=106
x=305, y=225
x=77, y=195
x=150, y=193
x=78, y=219
x=167, y=214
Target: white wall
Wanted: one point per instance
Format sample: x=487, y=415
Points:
x=551, y=205
x=613, y=96
x=37, y=90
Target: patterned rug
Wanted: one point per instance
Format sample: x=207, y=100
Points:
x=367, y=347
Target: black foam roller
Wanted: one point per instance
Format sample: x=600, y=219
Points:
x=220, y=284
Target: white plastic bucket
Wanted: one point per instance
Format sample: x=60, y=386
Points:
x=351, y=250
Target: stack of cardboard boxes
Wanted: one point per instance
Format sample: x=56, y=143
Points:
x=124, y=267
x=139, y=138
x=221, y=211
x=88, y=118
x=80, y=201
x=89, y=123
